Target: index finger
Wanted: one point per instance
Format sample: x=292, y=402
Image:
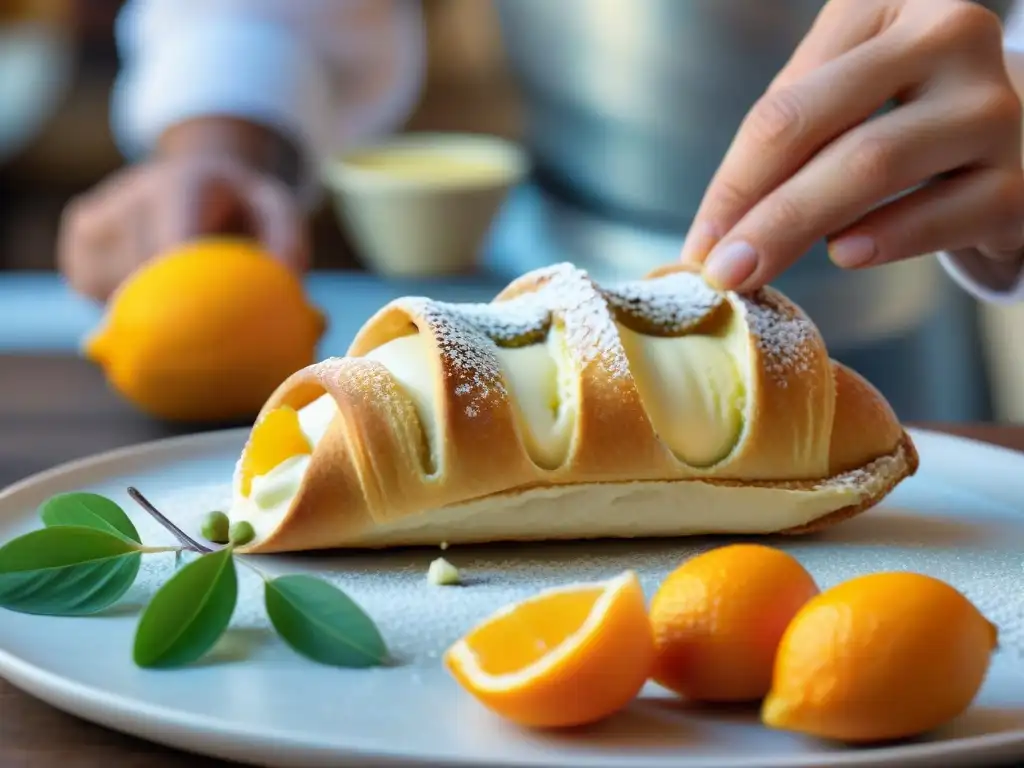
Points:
x=800, y=112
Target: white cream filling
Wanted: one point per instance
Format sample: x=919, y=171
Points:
x=412, y=363
x=692, y=391
x=616, y=510
x=316, y=417
x=534, y=376
x=691, y=386
x=279, y=484
x=270, y=496
x=539, y=380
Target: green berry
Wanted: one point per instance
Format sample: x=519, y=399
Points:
x=241, y=533
x=215, y=527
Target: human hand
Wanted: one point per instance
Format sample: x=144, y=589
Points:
x=147, y=209
x=807, y=163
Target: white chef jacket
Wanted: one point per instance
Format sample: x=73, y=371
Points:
x=325, y=73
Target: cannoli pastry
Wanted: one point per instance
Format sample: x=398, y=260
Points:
x=567, y=410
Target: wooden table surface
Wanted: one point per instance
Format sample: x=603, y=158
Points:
x=55, y=409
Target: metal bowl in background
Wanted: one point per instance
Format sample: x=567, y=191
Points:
x=631, y=104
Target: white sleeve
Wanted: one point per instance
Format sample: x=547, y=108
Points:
x=981, y=277
x=322, y=73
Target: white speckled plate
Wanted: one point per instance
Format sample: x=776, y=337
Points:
x=253, y=700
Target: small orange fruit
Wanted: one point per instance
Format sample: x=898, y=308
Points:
x=275, y=438
x=567, y=656
x=879, y=657
x=718, y=619
x=206, y=332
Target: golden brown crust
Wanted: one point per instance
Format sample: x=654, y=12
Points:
x=912, y=462
x=864, y=424
x=808, y=419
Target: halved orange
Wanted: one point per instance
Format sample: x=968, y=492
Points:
x=567, y=656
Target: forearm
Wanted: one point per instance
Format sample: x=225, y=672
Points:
x=313, y=76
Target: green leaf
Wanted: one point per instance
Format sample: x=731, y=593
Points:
x=66, y=571
x=188, y=615
x=322, y=623
x=90, y=510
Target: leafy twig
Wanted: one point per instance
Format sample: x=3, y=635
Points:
x=88, y=554
x=186, y=541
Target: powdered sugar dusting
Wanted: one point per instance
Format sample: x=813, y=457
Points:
x=524, y=318
x=325, y=367
x=673, y=303
x=467, y=353
x=785, y=338
x=591, y=336
x=369, y=378
x=871, y=479
x=466, y=334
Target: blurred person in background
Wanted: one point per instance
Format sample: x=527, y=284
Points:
x=229, y=107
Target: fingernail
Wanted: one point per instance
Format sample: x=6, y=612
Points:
x=701, y=238
x=853, y=251
x=730, y=265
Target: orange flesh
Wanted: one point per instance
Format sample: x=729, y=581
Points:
x=560, y=659
x=277, y=437
x=531, y=631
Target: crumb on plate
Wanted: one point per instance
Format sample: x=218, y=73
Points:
x=442, y=573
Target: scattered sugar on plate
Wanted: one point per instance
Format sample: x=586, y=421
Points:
x=420, y=621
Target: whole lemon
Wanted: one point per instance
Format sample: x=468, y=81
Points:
x=206, y=332
x=879, y=657
x=719, y=617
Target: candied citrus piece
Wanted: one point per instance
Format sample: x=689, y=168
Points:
x=719, y=617
x=879, y=657
x=275, y=438
x=567, y=656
